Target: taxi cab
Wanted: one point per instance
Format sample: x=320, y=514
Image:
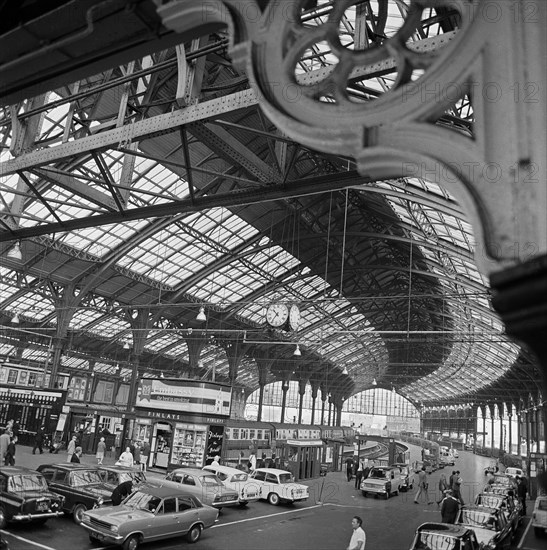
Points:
x=236, y=480
x=539, y=515
x=382, y=480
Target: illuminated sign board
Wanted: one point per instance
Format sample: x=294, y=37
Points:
x=188, y=396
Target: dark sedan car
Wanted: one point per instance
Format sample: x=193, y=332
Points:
x=444, y=536
x=25, y=496
x=80, y=484
x=509, y=505
x=154, y=512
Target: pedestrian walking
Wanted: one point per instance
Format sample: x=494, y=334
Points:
x=423, y=487
x=126, y=458
x=443, y=487
x=39, y=441
x=359, y=474
x=5, y=439
x=457, y=487
x=450, y=507
x=101, y=449
x=137, y=454
x=358, y=536
x=252, y=461
x=71, y=448
x=145, y=453
x=9, y=459
x=522, y=489
x=349, y=468
x=76, y=456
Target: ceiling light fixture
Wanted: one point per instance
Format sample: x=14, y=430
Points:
x=297, y=351
x=15, y=252
x=345, y=371
x=126, y=345
x=201, y=315
x=15, y=319
x=374, y=383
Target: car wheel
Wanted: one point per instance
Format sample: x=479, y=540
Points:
x=78, y=513
x=273, y=498
x=131, y=543
x=3, y=518
x=194, y=534
x=243, y=503
x=364, y=493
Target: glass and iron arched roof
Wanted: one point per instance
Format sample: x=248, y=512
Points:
x=124, y=237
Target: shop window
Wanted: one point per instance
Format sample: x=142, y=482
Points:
x=77, y=388
x=103, y=392
x=123, y=394
x=12, y=376
x=235, y=433
x=252, y=434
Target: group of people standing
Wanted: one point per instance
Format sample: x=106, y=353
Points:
x=356, y=466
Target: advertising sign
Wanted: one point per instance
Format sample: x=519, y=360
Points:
x=188, y=396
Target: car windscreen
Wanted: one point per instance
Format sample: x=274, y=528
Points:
x=286, y=478
x=27, y=483
x=436, y=540
x=210, y=481
x=143, y=501
x=377, y=474
x=239, y=477
x=478, y=518
x=78, y=479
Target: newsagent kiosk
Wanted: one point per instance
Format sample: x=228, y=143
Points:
x=182, y=420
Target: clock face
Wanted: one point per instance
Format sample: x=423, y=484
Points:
x=294, y=317
x=277, y=314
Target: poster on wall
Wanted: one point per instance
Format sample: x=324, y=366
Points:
x=191, y=396
x=215, y=435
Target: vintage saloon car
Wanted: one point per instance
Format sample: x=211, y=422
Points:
x=237, y=480
x=406, y=478
x=154, y=512
x=489, y=524
x=81, y=486
x=509, y=505
x=382, y=480
x=204, y=485
x=444, y=536
x=277, y=486
x=25, y=496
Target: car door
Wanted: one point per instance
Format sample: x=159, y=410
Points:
x=260, y=478
x=188, y=513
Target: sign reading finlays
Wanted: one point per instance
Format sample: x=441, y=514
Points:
x=189, y=396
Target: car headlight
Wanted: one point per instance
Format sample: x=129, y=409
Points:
x=114, y=529
x=100, y=502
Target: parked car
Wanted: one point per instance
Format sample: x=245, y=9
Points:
x=539, y=515
x=513, y=472
x=204, y=485
x=509, y=505
x=154, y=512
x=492, y=468
x=238, y=481
x=491, y=528
x=25, y=497
x=406, y=476
x=441, y=536
x=81, y=486
x=382, y=480
x=114, y=475
x=446, y=458
x=455, y=453
x=277, y=486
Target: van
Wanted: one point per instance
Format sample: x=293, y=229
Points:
x=539, y=515
x=382, y=480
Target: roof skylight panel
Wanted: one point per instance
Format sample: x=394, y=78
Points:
x=6, y=349
x=83, y=317
x=158, y=342
x=179, y=352
x=109, y=327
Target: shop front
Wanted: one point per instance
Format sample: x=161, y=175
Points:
x=181, y=420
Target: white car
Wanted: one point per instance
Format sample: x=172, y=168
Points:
x=277, y=486
x=513, y=472
x=539, y=515
x=237, y=480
